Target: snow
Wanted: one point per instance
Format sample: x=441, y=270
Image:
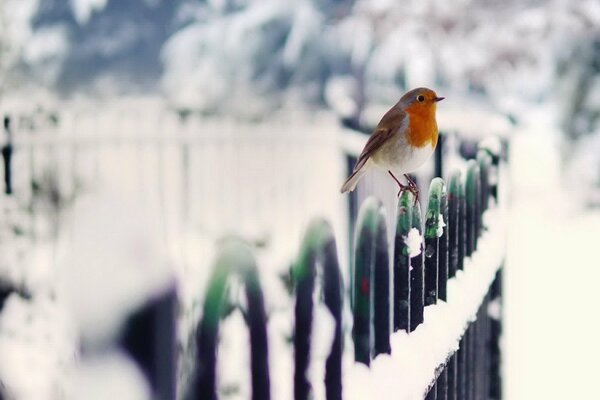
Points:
x=83, y=9
x=551, y=324
x=112, y=265
x=47, y=44
x=37, y=348
x=102, y=376
x=234, y=351
x=440, y=227
x=414, y=241
x=321, y=340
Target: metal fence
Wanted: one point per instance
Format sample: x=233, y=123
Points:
x=389, y=287
x=384, y=299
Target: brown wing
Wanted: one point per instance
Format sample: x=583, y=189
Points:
x=391, y=121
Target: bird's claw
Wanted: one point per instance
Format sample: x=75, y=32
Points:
x=411, y=188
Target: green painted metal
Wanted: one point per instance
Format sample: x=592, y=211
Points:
x=234, y=259
x=433, y=231
x=437, y=189
x=318, y=249
x=362, y=291
x=370, y=283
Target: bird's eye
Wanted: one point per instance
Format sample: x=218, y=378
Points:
x=420, y=98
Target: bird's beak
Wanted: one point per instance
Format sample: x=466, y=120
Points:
x=438, y=99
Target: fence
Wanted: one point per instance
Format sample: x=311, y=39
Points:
x=429, y=259
x=436, y=280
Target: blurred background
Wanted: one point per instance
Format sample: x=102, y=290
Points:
x=140, y=132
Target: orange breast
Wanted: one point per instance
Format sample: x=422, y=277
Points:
x=422, y=126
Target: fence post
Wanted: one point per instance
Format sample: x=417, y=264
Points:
x=402, y=264
x=433, y=232
x=318, y=248
x=235, y=258
x=370, y=284
x=417, y=286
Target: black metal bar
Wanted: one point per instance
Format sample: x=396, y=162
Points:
x=318, y=248
x=432, y=394
x=381, y=289
x=439, y=155
x=461, y=382
x=453, y=223
x=432, y=235
x=234, y=258
x=417, y=287
x=371, y=284
x=442, y=385
x=7, y=152
x=362, y=292
x=462, y=227
x=471, y=362
x=495, y=391
x=452, y=377
x=401, y=291
x=443, y=268
x=471, y=189
x=149, y=337
x=332, y=297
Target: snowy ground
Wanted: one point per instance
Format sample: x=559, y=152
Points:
x=551, y=280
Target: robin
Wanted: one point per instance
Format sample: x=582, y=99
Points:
x=404, y=139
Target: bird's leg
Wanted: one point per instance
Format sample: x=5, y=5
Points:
x=401, y=186
x=412, y=186
x=410, y=180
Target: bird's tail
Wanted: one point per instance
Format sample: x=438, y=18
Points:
x=352, y=180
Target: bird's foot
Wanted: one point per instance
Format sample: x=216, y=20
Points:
x=413, y=189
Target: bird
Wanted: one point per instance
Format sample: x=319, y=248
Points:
x=403, y=140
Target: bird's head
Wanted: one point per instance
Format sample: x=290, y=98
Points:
x=419, y=100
